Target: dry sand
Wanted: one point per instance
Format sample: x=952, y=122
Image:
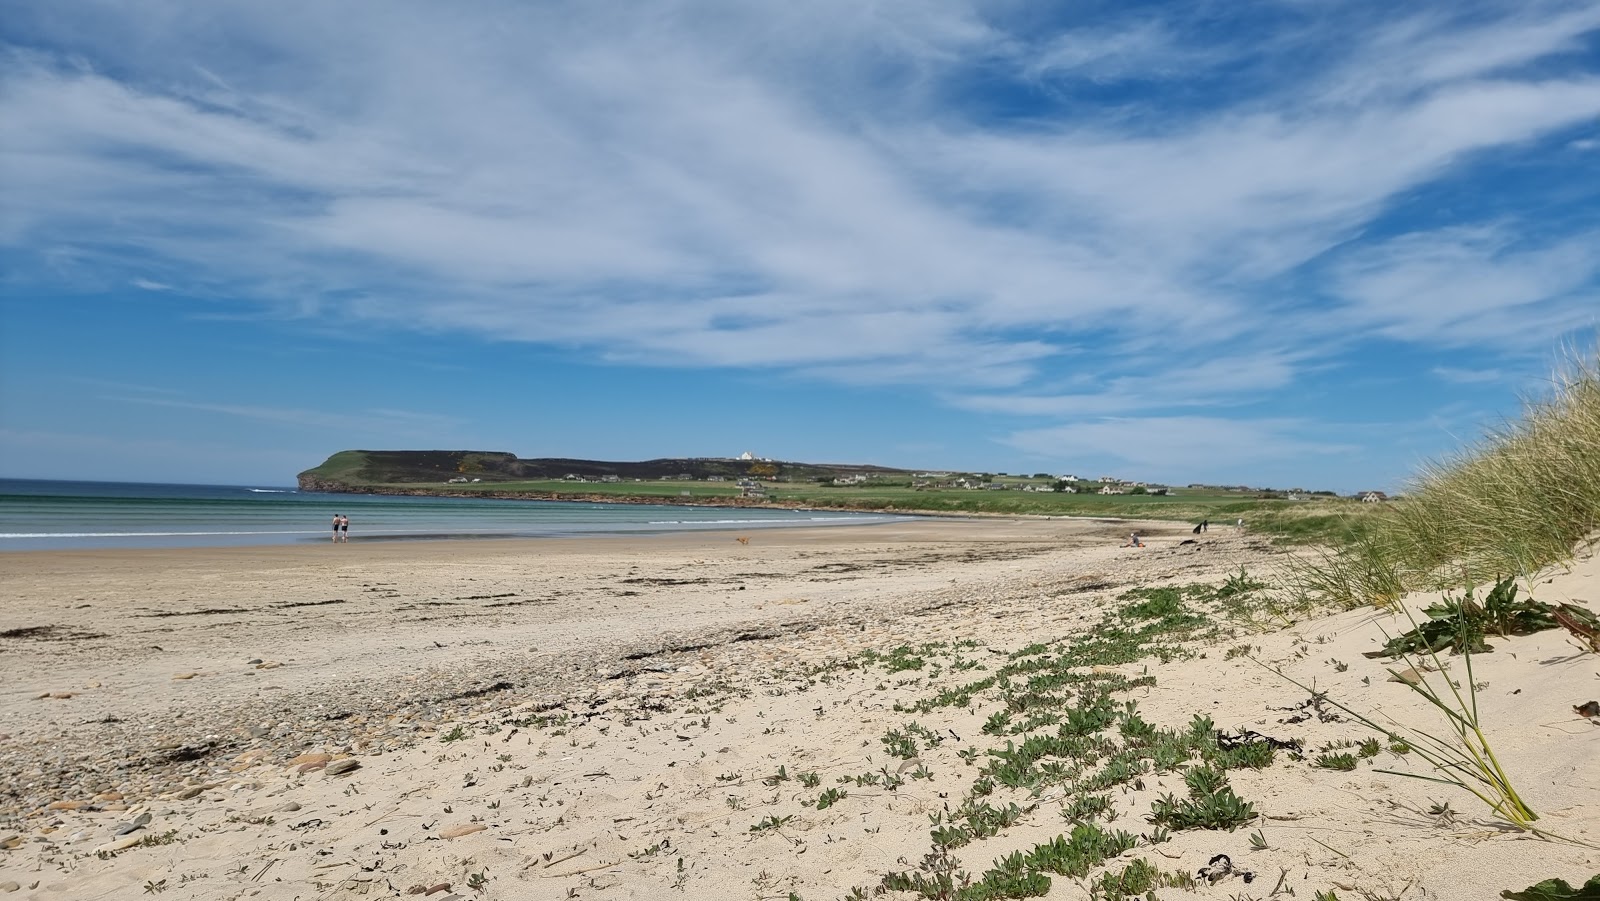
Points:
x=597, y=719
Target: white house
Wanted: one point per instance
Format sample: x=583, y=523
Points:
x=1110, y=489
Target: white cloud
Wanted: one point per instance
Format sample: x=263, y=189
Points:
x=1175, y=447
x=1471, y=286
x=729, y=185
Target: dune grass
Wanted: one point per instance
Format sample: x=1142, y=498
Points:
x=1519, y=500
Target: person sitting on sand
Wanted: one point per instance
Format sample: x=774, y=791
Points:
x=1133, y=540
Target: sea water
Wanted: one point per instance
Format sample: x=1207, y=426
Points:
x=54, y=515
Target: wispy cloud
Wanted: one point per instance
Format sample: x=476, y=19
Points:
x=403, y=423
x=820, y=189
x=1176, y=447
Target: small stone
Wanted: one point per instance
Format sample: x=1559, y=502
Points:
x=67, y=805
x=312, y=766
x=109, y=796
x=11, y=842
x=62, y=695
x=463, y=829
x=181, y=676
x=271, y=664
x=126, y=828
x=253, y=661
x=317, y=757
x=9, y=887
x=192, y=791
x=342, y=766
x=290, y=807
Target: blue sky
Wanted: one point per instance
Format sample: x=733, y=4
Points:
x=1283, y=243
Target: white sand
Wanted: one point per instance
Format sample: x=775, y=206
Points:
x=670, y=753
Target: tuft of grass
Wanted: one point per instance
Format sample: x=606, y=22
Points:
x=1462, y=756
x=1521, y=499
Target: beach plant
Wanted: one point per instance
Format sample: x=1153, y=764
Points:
x=1339, y=761
x=1463, y=623
x=829, y=797
x=1522, y=498
x=1076, y=854
x=1461, y=755
x=1212, y=803
x=1135, y=882
x=771, y=822
x=1557, y=890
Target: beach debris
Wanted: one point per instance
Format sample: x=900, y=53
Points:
x=11, y=842
x=1242, y=738
x=1581, y=623
x=462, y=829
x=1221, y=867
x=180, y=677
x=1314, y=706
x=1588, y=708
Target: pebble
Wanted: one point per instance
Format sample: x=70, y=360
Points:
x=342, y=766
x=290, y=807
x=67, y=805
x=9, y=887
x=192, y=791
x=10, y=842
x=182, y=676
x=463, y=829
x=139, y=822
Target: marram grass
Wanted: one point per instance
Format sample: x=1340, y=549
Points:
x=1519, y=500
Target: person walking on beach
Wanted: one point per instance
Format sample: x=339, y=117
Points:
x=336, y=528
x=344, y=528
x=1205, y=525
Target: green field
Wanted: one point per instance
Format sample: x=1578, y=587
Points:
x=1296, y=520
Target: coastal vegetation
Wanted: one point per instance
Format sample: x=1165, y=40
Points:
x=1308, y=518
x=1524, y=497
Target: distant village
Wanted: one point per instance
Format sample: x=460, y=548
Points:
x=766, y=469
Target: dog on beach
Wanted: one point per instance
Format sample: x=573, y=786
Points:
x=743, y=539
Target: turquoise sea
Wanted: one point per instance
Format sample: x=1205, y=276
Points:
x=51, y=515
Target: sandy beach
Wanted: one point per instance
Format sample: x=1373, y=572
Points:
x=631, y=717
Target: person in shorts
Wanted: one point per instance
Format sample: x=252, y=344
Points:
x=344, y=528
x=336, y=527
